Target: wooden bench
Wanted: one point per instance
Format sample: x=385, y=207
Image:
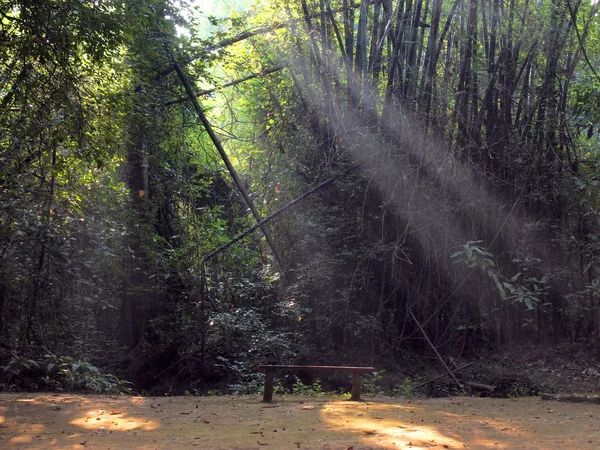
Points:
x=356, y=374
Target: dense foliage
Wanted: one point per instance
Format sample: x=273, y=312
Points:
x=463, y=142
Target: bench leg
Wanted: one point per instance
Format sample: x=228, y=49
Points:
x=356, y=386
x=268, y=394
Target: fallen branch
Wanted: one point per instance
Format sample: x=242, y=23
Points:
x=483, y=387
x=450, y=372
x=443, y=375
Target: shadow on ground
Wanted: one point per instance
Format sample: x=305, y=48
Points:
x=42, y=421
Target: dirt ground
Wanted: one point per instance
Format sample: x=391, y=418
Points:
x=46, y=421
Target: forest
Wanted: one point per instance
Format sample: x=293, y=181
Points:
x=189, y=190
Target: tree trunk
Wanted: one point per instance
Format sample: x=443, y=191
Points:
x=136, y=298
x=412, y=70
x=466, y=82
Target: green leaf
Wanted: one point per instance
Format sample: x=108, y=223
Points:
x=469, y=251
x=509, y=286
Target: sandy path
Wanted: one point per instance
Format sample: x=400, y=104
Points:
x=46, y=421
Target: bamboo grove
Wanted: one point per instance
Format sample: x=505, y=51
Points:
x=470, y=128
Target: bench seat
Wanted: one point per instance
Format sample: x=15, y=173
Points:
x=356, y=376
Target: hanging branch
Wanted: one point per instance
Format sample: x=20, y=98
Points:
x=230, y=168
x=238, y=38
x=231, y=83
x=270, y=217
x=219, y=45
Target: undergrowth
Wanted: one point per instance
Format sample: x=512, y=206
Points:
x=58, y=373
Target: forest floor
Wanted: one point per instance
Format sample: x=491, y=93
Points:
x=67, y=421
x=563, y=368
